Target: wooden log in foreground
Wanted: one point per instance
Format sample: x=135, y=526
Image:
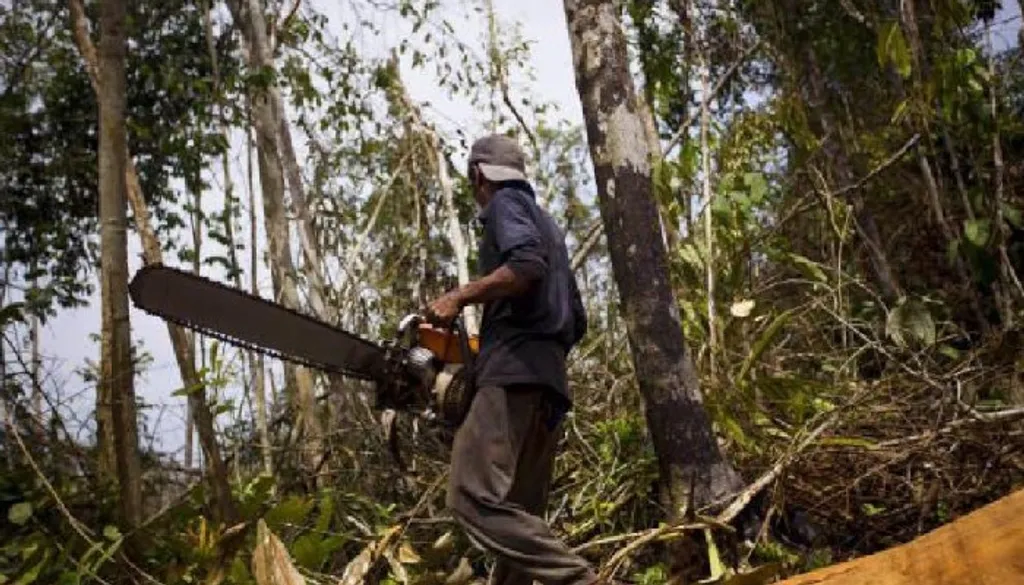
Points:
x=982, y=548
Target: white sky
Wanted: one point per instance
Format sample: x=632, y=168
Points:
x=65, y=340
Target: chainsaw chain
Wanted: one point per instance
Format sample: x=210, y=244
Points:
x=231, y=340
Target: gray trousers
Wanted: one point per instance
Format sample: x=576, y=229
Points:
x=501, y=467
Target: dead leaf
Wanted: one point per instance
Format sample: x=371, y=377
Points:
x=271, y=563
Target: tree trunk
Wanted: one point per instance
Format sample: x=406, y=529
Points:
x=680, y=427
x=248, y=16
x=117, y=371
x=37, y=370
x=256, y=361
x=153, y=254
x=709, y=231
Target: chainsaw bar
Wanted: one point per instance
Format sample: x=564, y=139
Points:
x=245, y=320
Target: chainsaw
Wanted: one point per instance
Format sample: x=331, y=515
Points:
x=423, y=369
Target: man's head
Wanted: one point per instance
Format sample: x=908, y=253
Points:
x=494, y=159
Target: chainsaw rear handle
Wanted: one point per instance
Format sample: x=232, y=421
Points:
x=451, y=345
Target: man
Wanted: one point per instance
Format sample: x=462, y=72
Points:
x=503, y=453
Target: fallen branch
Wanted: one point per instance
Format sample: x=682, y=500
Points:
x=1007, y=415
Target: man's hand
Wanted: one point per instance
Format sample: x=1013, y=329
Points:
x=445, y=308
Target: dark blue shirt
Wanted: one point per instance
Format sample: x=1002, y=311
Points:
x=525, y=339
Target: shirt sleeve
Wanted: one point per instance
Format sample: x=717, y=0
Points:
x=517, y=235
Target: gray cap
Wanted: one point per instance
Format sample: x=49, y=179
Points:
x=499, y=158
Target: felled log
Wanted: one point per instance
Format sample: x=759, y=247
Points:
x=984, y=547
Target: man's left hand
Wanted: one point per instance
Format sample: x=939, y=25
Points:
x=444, y=309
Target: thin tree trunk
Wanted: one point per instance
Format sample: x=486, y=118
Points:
x=197, y=239
x=37, y=366
x=455, y=233
x=307, y=238
x=117, y=370
x=257, y=361
x=153, y=254
x=709, y=228
x=680, y=427
x=248, y=16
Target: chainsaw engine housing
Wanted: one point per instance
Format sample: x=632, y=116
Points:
x=426, y=376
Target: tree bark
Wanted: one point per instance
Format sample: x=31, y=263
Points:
x=117, y=371
x=256, y=361
x=680, y=427
x=248, y=16
x=153, y=254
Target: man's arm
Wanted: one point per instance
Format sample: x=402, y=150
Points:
x=503, y=282
x=524, y=259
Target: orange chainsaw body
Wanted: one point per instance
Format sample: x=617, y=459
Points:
x=444, y=343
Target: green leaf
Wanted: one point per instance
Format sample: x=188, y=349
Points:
x=762, y=342
x=20, y=513
x=977, y=231
x=11, y=312
x=757, y=185
x=111, y=533
x=911, y=317
x=291, y=510
x=307, y=551
x=949, y=351
x=892, y=48
x=32, y=574
x=1012, y=215
x=901, y=111
x=188, y=390
x=810, y=268
x=717, y=567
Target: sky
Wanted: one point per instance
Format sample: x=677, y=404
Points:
x=65, y=340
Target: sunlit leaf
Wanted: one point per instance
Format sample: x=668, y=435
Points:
x=977, y=231
x=20, y=513
x=742, y=308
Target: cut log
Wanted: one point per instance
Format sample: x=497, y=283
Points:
x=985, y=547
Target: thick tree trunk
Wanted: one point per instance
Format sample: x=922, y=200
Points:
x=153, y=254
x=680, y=426
x=117, y=371
x=248, y=16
